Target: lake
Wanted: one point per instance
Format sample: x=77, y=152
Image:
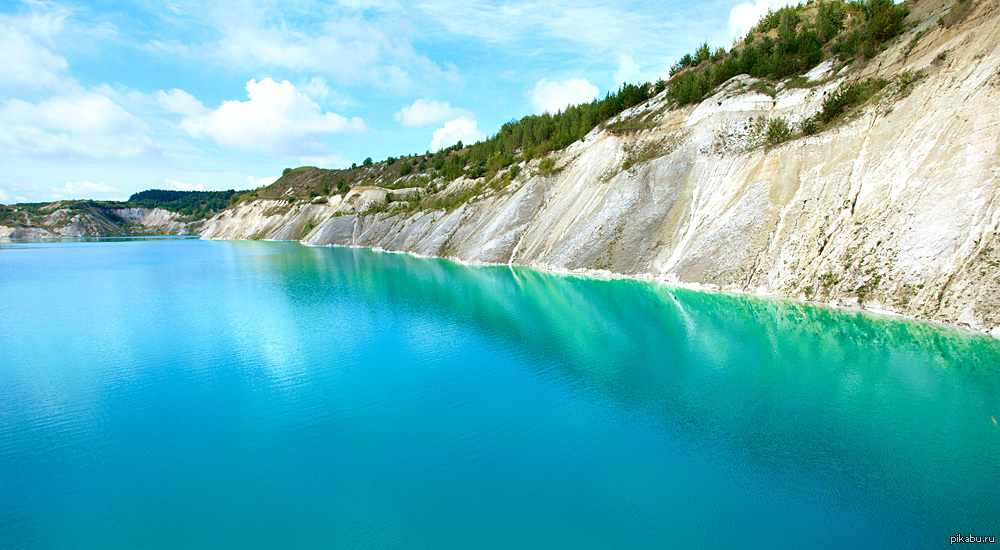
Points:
x=185, y=393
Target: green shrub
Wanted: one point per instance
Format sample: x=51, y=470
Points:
x=777, y=131
x=810, y=126
x=547, y=165
x=798, y=47
x=307, y=227
x=847, y=96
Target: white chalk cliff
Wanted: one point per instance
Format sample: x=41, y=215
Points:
x=896, y=208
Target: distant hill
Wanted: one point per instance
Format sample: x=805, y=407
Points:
x=197, y=204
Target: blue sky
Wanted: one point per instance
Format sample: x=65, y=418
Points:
x=102, y=99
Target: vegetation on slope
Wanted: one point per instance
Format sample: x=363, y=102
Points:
x=791, y=41
x=783, y=44
x=193, y=204
x=197, y=204
x=530, y=137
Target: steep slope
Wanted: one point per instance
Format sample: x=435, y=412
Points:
x=896, y=207
x=86, y=219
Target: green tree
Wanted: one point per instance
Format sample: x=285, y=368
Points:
x=701, y=54
x=787, y=26
x=829, y=20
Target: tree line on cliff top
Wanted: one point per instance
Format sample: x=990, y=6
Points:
x=791, y=41
x=786, y=42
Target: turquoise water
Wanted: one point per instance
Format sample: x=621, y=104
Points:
x=178, y=393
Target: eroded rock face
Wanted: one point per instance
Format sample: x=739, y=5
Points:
x=101, y=222
x=897, y=208
x=157, y=220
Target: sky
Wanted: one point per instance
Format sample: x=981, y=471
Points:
x=102, y=99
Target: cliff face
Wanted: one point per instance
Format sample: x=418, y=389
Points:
x=57, y=221
x=896, y=208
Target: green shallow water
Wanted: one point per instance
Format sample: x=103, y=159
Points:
x=179, y=393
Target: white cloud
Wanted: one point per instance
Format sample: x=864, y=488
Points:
x=15, y=192
x=82, y=124
x=346, y=42
x=316, y=88
x=84, y=190
x=628, y=70
x=426, y=112
x=72, y=122
x=180, y=102
x=275, y=119
x=453, y=131
x=26, y=63
x=745, y=15
x=181, y=186
x=325, y=161
x=560, y=25
x=169, y=47
x=552, y=96
x=29, y=41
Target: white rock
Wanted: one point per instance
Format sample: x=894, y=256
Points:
x=903, y=190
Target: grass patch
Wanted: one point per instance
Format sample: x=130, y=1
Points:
x=913, y=44
x=828, y=280
x=638, y=155
x=764, y=87
x=309, y=226
x=454, y=200
x=778, y=130
x=801, y=81
x=547, y=166
x=956, y=14
x=634, y=124
x=849, y=96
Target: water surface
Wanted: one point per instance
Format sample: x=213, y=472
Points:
x=178, y=393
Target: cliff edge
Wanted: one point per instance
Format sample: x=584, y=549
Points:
x=896, y=207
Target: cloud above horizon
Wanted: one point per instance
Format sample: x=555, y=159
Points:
x=350, y=43
x=426, y=112
x=85, y=190
x=83, y=124
x=249, y=87
x=551, y=96
x=453, y=131
x=275, y=119
x=745, y=15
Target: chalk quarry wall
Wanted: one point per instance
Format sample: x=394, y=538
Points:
x=897, y=208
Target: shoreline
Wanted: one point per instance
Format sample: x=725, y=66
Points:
x=603, y=274
x=585, y=273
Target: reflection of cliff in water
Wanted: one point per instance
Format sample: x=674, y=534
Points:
x=576, y=318
x=772, y=386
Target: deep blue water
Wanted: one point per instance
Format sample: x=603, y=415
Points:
x=179, y=393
